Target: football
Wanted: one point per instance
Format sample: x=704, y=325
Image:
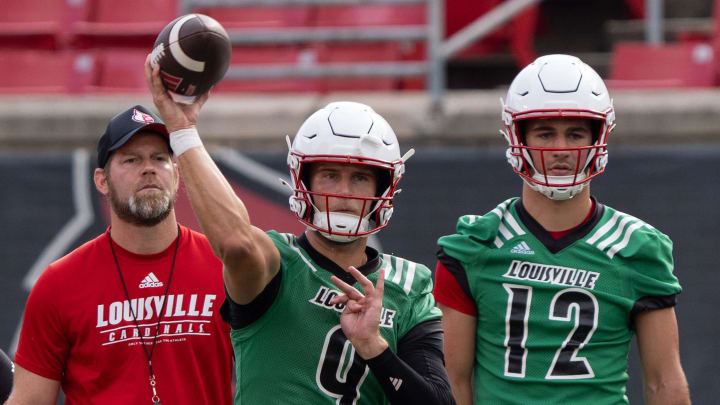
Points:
x=193, y=52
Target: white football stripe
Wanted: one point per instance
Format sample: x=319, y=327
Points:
x=498, y=242
x=500, y=209
x=387, y=266
x=409, y=278
x=505, y=232
x=398, y=270
x=513, y=224
x=616, y=248
x=612, y=238
x=176, y=51
x=604, y=229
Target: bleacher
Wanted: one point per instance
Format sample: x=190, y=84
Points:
x=690, y=60
x=98, y=46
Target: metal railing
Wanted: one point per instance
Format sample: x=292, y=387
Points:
x=432, y=33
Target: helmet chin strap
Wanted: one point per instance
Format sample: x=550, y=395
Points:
x=557, y=193
x=341, y=223
x=344, y=223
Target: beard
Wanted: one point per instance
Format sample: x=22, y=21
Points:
x=146, y=210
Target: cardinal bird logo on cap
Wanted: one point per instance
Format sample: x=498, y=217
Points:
x=140, y=116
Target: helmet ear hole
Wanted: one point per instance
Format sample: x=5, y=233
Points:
x=595, y=128
x=521, y=130
x=384, y=180
x=305, y=173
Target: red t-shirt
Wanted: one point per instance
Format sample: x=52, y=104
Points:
x=78, y=327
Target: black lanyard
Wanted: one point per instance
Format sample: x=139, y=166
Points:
x=155, y=398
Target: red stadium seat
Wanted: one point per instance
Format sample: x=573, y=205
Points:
x=363, y=52
x=265, y=18
x=120, y=71
x=270, y=55
x=372, y=15
x=259, y=17
x=32, y=23
x=24, y=72
x=636, y=65
x=127, y=23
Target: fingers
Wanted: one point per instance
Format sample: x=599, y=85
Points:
x=354, y=306
x=349, y=290
x=339, y=299
x=149, y=72
x=148, y=69
x=380, y=284
x=350, y=304
x=366, y=284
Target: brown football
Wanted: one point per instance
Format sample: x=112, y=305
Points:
x=193, y=52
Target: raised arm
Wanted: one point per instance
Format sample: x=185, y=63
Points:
x=249, y=256
x=664, y=379
x=32, y=389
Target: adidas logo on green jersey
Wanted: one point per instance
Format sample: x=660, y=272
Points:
x=522, y=248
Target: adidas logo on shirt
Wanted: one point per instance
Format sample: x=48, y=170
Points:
x=523, y=249
x=396, y=382
x=150, y=281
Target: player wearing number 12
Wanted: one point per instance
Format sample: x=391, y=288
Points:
x=541, y=295
x=302, y=331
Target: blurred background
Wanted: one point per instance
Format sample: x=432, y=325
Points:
x=435, y=69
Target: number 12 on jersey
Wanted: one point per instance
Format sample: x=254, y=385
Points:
x=568, y=305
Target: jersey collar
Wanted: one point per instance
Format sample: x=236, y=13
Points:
x=372, y=264
x=555, y=245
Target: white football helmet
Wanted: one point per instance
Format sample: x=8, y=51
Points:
x=345, y=132
x=557, y=86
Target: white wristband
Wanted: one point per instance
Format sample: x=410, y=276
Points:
x=184, y=139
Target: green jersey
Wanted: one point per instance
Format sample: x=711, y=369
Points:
x=296, y=352
x=554, y=317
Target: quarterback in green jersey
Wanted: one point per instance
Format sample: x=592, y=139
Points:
x=319, y=318
x=541, y=295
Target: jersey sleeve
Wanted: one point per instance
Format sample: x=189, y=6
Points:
x=475, y=234
x=448, y=292
x=43, y=347
x=462, y=245
x=422, y=302
x=652, y=267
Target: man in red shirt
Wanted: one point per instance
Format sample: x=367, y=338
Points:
x=130, y=317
